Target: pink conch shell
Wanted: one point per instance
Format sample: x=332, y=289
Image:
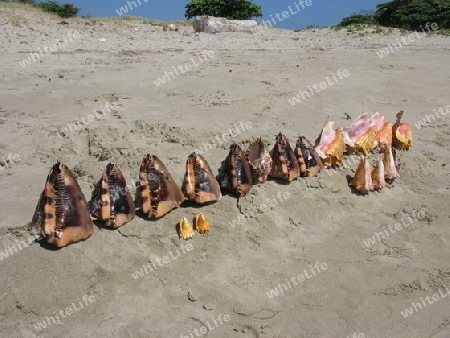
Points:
x=384, y=131
x=361, y=135
x=362, y=181
x=358, y=128
x=378, y=121
x=378, y=176
x=330, y=144
x=401, y=134
x=390, y=170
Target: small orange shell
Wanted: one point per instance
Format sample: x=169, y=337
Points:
x=185, y=230
x=401, y=134
x=362, y=181
x=378, y=176
x=201, y=223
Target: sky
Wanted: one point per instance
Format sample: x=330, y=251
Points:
x=320, y=13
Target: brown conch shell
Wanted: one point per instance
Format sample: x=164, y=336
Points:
x=201, y=223
x=158, y=193
x=199, y=185
x=378, y=176
x=259, y=160
x=234, y=174
x=62, y=216
x=111, y=202
x=284, y=163
x=390, y=169
x=362, y=181
x=401, y=134
x=309, y=161
x=185, y=230
x=330, y=145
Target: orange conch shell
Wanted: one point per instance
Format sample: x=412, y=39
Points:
x=62, y=216
x=234, y=174
x=361, y=135
x=384, y=136
x=390, y=170
x=185, y=230
x=378, y=176
x=199, y=185
x=309, y=162
x=157, y=193
x=401, y=134
x=330, y=144
x=362, y=181
x=111, y=201
x=201, y=223
x=259, y=160
x=284, y=163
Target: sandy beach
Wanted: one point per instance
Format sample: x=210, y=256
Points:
x=309, y=265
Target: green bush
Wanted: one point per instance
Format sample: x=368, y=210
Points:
x=64, y=10
x=413, y=14
x=357, y=19
x=230, y=9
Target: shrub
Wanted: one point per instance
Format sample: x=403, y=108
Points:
x=64, y=10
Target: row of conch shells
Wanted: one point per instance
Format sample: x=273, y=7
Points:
x=240, y=171
x=385, y=170
x=63, y=216
x=362, y=137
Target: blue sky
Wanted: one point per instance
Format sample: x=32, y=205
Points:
x=321, y=12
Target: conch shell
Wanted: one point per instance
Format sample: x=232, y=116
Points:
x=330, y=145
x=259, y=160
x=199, y=185
x=201, y=223
x=390, y=169
x=61, y=215
x=362, y=181
x=284, y=163
x=185, y=230
x=309, y=162
x=378, y=176
x=158, y=193
x=384, y=136
x=111, y=201
x=361, y=135
x=234, y=174
x=401, y=134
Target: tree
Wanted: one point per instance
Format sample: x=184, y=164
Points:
x=230, y=9
x=413, y=14
x=64, y=11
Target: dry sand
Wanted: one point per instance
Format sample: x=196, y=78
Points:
x=229, y=272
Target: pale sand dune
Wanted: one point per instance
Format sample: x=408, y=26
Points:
x=250, y=78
